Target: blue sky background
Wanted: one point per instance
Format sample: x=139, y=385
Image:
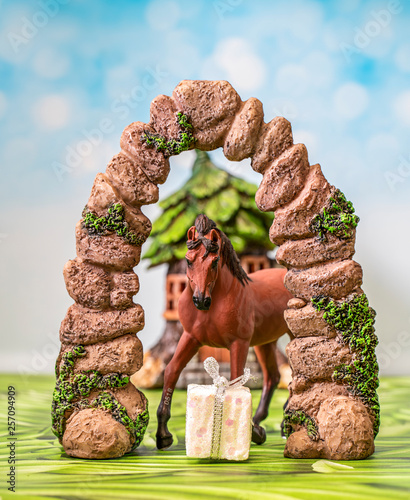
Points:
x=73, y=74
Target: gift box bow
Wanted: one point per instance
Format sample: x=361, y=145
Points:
x=211, y=366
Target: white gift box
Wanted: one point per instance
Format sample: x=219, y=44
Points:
x=219, y=419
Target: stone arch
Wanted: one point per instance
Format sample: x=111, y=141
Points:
x=333, y=408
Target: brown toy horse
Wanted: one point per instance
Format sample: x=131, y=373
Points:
x=224, y=307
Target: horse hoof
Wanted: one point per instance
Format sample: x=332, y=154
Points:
x=164, y=442
x=258, y=434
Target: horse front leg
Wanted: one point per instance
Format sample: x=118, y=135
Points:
x=187, y=347
x=239, y=353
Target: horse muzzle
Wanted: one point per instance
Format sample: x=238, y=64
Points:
x=202, y=303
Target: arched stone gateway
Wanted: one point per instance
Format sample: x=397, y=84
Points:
x=333, y=410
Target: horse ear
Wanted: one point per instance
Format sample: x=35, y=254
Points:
x=215, y=236
x=191, y=233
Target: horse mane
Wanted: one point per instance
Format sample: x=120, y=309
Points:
x=229, y=257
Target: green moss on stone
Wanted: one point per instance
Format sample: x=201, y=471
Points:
x=135, y=427
x=337, y=218
x=174, y=146
x=354, y=320
x=114, y=221
x=299, y=417
x=72, y=387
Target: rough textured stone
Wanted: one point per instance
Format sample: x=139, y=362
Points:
x=275, y=137
x=310, y=400
x=346, y=428
x=307, y=322
x=90, y=434
x=138, y=223
x=130, y=181
x=153, y=163
x=240, y=141
x=163, y=118
x=336, y=279
x=125, y=286
x=283, y=179
x=131, y=398
x=109, y=250
x=128, y=396
x=85, y=326
x=307, y=252
x=299, y=445
x=314, y=359
x=102, y=194
x=296, y=303
x=293, y=220
x=87, y=285
x=121, y=355
x=211, y=107
x=93, y=433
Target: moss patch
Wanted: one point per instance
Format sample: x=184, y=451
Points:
x=354, y=320
x=174, y=146
x=337, y=218
x=135, y=427
x=72, y=387
x=299, y=417
x=113, y=222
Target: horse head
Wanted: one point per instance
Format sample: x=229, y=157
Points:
x=208, y=249
x=203, y=258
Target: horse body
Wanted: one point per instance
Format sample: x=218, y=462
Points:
x=253, y=313
x=224, y=307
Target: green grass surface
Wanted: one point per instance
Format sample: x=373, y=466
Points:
x=44, y=471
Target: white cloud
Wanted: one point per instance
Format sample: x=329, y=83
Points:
x=182, y=55
x=336, y=33
x=162, y=15
x=348, y=5
x=382, y=149
x=402, y=58
x=402, y=107
x=52, y=111
x=26, y=144
x=350, y=100
x=321, y=69
x=235, y=60
x=292, y=79
x=50, y=63
x=301, y=19
x=99, y=157
x=287, y=108
x=310, y=140
x=3, y=104
x=315, y=71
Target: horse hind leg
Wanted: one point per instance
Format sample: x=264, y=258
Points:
x=266, y=355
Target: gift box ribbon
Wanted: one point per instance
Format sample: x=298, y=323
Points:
x=221, y=383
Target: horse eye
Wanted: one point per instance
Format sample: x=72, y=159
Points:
x=215, y=263
x=189, y=263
